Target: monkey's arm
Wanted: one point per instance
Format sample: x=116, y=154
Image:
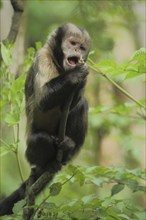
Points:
x=56, y=91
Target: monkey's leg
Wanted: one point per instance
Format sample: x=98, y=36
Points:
x=41, y=149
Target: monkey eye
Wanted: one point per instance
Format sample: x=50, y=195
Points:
x=73, y=43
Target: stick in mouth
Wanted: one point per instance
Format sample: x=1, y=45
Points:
x=81, y=60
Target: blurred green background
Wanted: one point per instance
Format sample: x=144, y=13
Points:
x=117, y=29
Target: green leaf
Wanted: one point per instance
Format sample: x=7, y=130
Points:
x=71, y=169
x=19, y=206
x=142, y=69
x=89, y=198
x=123, y=109
x=113, y=214
x=107, y=66
x=6, y=54
x=55, y=189
x=49, y=205
x=124, y=216
x=141, y=215
x=133, y=185
x=11, y=118
x=131, y=74
x=4, y=150
x=96, y=181
x=117, y=188
x=139, y=54
x=38, y=45
x=99, y=108
x=80, y=177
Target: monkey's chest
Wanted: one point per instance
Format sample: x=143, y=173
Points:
x=47, y=121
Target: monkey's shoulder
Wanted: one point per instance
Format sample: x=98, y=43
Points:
x=46, y=69
x=44, y=56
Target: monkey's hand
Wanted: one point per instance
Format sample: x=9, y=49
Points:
x=65, y=150
x=78, y=74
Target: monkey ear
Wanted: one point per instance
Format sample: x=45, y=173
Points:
x=56, y=37
x=51, y=39
x=55, y=42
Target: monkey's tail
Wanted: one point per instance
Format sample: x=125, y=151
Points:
x=7, y=204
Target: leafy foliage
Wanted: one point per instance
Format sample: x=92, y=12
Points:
x=12, y=100
x=91, y=206
x=136, y=66
x=109, y=69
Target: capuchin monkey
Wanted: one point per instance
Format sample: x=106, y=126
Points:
x=59, y=69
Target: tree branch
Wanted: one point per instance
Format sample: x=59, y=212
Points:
x=49, y=172
x=18, y=6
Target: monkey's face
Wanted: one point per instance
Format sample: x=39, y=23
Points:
x=75, y=50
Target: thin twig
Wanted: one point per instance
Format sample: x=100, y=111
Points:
x=17, y=155
x=47, y=197
x=93, y=67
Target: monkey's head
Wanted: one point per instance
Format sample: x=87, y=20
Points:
x=70, y=46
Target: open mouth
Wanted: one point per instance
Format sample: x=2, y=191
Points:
x=73, y=61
